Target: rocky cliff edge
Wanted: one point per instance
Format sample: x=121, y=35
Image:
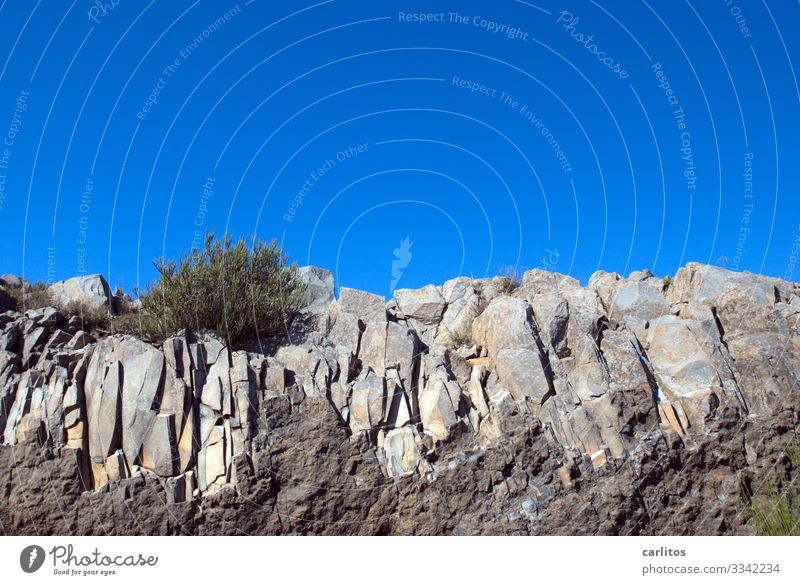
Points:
x=634, y=405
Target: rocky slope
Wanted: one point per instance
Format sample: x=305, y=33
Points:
x=629, y=406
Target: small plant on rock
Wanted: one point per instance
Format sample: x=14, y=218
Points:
x=509, y=280
x=460, y=338
x=776, y=513
x=27, y=297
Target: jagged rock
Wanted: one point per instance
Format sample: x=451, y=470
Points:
x=639, y=301
x=463, y=306
x=372, y=350
x=538, y=281
x=642, y=414
x=438, y=403
x=401, y=350
x=551, y=313
x=12, y=281
x=423, y=306
x=319, y=288
x=699, y=283
x=688, y=366
x=116, y=467
x=505, y=324
x=402, y=453
x=90, y=291
x=159, y=449
x=367, y=404
x=398, y=410
x=368, y=307
x=521, y=372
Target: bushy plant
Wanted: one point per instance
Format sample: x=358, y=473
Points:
x=776, y=513
x=30, y=297
x=239, y=291
x=92, y=318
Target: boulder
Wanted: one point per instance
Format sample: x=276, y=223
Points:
x=368, y=307
x=159, y=449
x=12, y=281
x=367, y=404
x=438, y=407
x=640, y=301
x=507, y=323
x=90, y=291
x=521, y=372
x=319, y=288
x=424, y=306
x=463, y=306
x=689, y=367
x=538, y=281
x=402, y=452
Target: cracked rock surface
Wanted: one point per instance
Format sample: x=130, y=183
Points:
x=628, y=406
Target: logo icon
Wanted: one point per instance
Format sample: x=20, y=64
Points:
x=402, y=258
x=31, y=558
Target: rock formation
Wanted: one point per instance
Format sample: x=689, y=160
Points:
x=629, y=406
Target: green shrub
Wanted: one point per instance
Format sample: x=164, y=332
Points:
x=236, y=290
x=30, y=297
x=776, y=513
x=92, y=318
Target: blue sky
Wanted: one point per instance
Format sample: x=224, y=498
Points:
x=572, y=136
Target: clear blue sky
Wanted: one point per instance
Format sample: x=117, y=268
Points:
x=574, y=136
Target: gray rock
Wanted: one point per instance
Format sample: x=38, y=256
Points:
x=12, y=281
x=89, y=291
x=319, y=288
x=425, y=305
x=402, y=453
x=367, y=404
x=438, y=404
x=639, y=300
x=521, y=372
x=368, y=307
x=505, y=324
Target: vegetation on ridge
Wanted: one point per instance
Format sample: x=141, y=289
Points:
x=239, y=290
x=778, y=512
